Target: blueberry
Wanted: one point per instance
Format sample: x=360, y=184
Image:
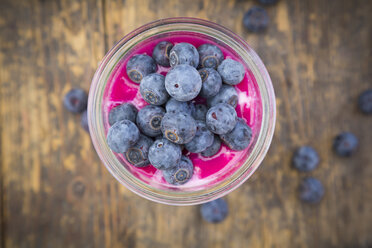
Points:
x=239, y=138
x=125, y=111
x=183, y=83
x=210, y=56
x=164, y=154
x=137, y=154
x=227, y=94
x=202, y=140
x=345, y=144
x=212, y=149
x=184, y=53
x=365, y=101
x=231, y=71
x=311, y=190
x=305, y=159
x=161, y=53
x=149, y=120
x=180, y=174
x=214, y=211
x=84, y=121
x=122, y=135
x=76, y=100
x=268, y=1
x=256, y=19
x=211, y=82
x=153, y=90
x=200, y=111
x=221, y=118
x=174, y=106
x=178, y=127
x=139, y=66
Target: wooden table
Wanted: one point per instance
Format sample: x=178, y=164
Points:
x=55, y=192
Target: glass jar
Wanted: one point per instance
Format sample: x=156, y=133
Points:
x=182, y=195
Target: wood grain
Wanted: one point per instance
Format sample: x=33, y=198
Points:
x=56, y=193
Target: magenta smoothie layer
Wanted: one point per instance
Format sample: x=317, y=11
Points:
x=207, y=171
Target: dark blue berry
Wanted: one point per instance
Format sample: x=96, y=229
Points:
x=183, y=83
x=200, y=112
x=365, y=101
x=227, y=94
x=211, y=82
x=174, y=106
x=239, y=138
x=122, y=135
x=125, y=111
x=84, y=121
x=311, y=190
x=268, y=1
x=212, y=149
x=305, y=159
x=214, y=211
x=256, y=19
x=180, y=174
x=232, y=72
x=149, y=120
x=164, y=154
x=137, y=154
x=345, y=144
x=153, y=90
x=178, y=127
x=221, y=118
x=139, y=66
x=76, y=100
x=184, y=53
x=202, y=140
x=161, y=53
x=210, y=56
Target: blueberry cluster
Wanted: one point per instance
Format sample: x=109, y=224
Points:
x=157, y=133
x=76, y=101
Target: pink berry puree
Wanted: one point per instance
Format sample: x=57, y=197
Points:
x=207, y=171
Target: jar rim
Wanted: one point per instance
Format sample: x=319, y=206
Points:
x=253, y=160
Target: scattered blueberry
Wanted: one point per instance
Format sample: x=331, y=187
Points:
x=174, y=106
x=211, y=82
x=305, y=159
x=210, y=56
x=200, y=112
x=365, y=101
x=149, y=120
x=180, y=174
x=161, y=53
x=231, y=71
x=239, y=138
x=153, y=90
x=84, y=121
x=178, y=127
x=184, y=53
x=125, y=111
x=122, y=135
x=311, y=190
x=212, y=149
x=268, y=1
x=214, y=211
x=227, y=94
x=345, y=144
x=256, y=19
x=140, y=66
x=183, y=83
x=164, y=154
x=202, y=140
x=76, y=100
x=137, y=154
x=221, y=118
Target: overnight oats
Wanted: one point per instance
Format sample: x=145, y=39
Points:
x=181, y=111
